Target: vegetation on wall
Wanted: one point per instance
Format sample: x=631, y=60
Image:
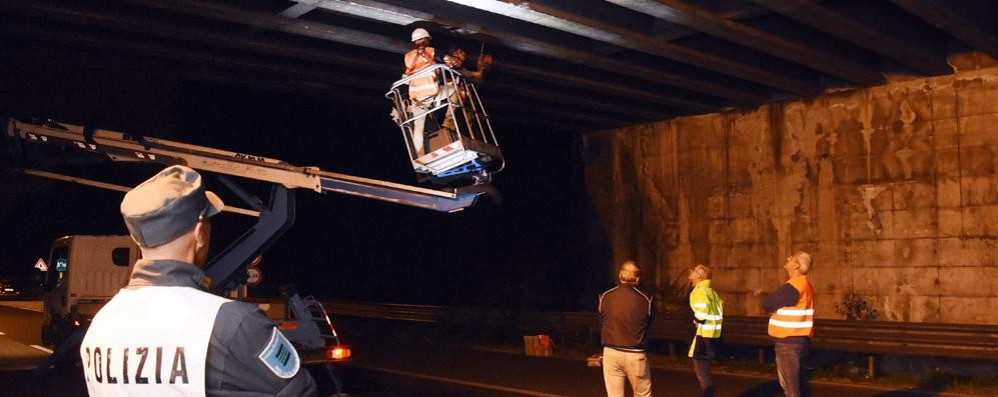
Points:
x=853, y=307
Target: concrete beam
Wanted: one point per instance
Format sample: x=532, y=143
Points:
x=784, y=77
x=374, y=41
x=282, y=24
x=86, y=16
x=513, y=36
x=76, y=38
x=962, y=24
x=927, y=55
x=811, y=54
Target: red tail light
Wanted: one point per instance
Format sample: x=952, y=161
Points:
x=338, y=353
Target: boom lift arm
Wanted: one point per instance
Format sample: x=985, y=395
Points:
x=128, y=147
x=227, y=270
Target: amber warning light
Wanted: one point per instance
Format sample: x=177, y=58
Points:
x=338, y=353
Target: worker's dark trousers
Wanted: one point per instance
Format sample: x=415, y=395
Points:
x=702, y=369
x=791, y=366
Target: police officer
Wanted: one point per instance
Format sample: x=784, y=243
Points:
x=163, y=334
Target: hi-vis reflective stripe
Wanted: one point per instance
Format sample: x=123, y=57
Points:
x=795, y=312
x=710, y=327
x=700, y=305
x=423, y=88
x=705, y=316
x=791, y=324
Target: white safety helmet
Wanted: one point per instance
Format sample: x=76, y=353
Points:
x=420, y=33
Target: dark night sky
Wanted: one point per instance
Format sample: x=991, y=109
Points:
x=532, y=251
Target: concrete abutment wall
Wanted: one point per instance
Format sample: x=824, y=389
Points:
x=892, y=189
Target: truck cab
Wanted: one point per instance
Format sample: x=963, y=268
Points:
x=84, y=273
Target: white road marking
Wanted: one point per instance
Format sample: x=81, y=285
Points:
x=42, y=348
x=464, y=382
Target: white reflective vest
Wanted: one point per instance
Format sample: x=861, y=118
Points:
x=423, y=87
x=150, y=341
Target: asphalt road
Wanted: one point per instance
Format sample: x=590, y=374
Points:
x=519, y=375
x=386, y=367
x=19, y=330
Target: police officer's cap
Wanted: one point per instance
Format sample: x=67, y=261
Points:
x=167, y=205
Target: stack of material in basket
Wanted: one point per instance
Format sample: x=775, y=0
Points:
x=538, y=345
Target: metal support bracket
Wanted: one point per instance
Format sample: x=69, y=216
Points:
x=228, y=269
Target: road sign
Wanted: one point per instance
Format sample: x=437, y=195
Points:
x=40, y=265
x=253, y=276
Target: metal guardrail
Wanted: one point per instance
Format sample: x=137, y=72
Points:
x=965, y=341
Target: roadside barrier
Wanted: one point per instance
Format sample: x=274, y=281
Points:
x=964, y=341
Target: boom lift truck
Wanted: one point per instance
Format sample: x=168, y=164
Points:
x=227, y=270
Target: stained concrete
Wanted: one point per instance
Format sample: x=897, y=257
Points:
x=892, y=189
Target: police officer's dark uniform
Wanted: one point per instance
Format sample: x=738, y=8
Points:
x=163, y=334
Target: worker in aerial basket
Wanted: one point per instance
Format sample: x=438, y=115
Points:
x=456, y=94
x=423, y=90
x=455, y=57
x=163, y=334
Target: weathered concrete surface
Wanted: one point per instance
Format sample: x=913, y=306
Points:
x=893, y=189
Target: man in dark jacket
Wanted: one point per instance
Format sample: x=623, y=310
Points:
x=625, y=318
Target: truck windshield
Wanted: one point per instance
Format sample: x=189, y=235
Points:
x=58, y=264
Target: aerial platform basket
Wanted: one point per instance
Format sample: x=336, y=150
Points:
x=456, y=141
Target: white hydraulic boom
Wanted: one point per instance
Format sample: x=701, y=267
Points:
x=227, y=269
x=127, y=147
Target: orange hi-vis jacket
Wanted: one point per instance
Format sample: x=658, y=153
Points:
x=797, y=320
x=423, y=87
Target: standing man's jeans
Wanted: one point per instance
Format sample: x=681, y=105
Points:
x=702, y=369
x=791, y=366
x=633, y=366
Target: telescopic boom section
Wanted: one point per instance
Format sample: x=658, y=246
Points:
x=128, y=147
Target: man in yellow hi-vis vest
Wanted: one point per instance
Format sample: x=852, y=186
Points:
x=708, y=313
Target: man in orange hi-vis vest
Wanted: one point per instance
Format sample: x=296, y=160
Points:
x=424, y=89
x=791, y=324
